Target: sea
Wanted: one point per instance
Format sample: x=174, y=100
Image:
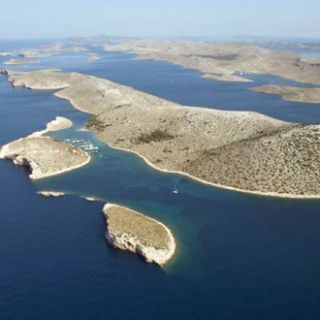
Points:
x=239, y=256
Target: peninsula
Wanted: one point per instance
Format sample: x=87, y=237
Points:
x=59, y=123
x=43, y=156
x=243, y=151
x=132, y=231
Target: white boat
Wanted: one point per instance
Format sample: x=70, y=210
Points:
x=175, y=190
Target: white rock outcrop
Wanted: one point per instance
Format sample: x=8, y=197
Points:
x=55, y=194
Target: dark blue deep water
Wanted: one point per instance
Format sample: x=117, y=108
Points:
x=239, y=256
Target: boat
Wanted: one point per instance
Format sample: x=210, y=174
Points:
x=175, y=190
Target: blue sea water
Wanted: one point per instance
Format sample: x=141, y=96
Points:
x=239, y=256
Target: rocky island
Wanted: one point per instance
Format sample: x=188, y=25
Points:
x=132, y=231
x=243, y=151
x=54, y=194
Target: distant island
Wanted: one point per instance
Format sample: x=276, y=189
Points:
x=232, y=61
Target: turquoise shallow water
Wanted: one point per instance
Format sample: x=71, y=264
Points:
x=239, y=256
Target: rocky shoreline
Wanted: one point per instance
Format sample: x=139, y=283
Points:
x=45, y=157
x=132, y=231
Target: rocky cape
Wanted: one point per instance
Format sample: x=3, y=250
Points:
x=132, y=231
x=59, y=123
x=43, y=156
x=255, y=153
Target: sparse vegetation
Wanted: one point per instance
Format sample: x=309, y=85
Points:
x=153, y=136
x=166, y=150
x=119, y=140
x=95, y=124
x=283, y=162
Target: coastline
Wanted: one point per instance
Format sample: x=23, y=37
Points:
x=62, y=171
x=216, y=185
x=162, y=108
x=73, y=104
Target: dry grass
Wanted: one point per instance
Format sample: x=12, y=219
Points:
x=149, y=232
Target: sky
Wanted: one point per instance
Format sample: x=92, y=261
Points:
x=26, y=19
